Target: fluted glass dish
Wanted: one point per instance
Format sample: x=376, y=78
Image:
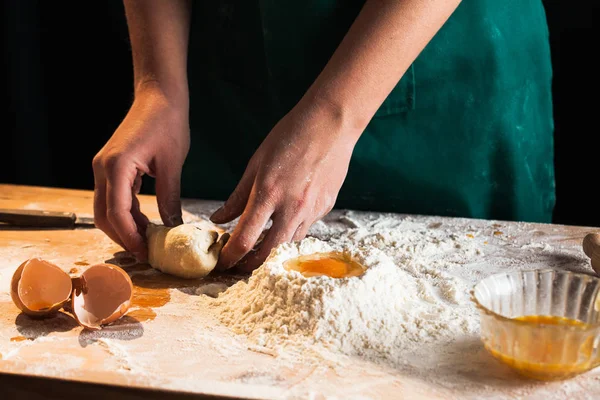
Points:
x=545, y=324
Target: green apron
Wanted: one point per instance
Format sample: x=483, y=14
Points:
x=468, y=130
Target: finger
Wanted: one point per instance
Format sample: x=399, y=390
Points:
x=168, y=187
x=246, y=233
x=304, y=227
x=100, y=218
x=301, y=231
x=235, y=204
x=282, y=231
x=137, y=183
x=140, y=219
x=119, y=205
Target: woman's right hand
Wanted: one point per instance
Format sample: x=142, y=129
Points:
x=153, y=139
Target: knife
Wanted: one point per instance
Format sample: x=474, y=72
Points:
x=44, y=219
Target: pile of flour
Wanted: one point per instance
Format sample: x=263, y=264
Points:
x=407, y=298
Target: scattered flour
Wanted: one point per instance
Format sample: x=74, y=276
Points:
x=406, y=299
x=211, y=289
x=410, y=313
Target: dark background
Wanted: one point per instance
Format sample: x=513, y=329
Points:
x=68, y=83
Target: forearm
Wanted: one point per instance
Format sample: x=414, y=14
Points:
x=382, y=43
x=159, y=34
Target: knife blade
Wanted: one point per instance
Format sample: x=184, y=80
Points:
x=44, y=219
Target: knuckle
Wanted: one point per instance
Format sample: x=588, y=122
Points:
x=266, y=198
x=299, y=203
x=296, y=207
x=253, y=163
x=97, y=162
x=327, y=203
x=110, y=163
x=185, y=148
x=268, y=187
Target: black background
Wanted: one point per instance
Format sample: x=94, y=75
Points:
x=68, y=83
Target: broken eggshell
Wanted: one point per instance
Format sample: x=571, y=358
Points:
x=101, y=295
x=39, y=288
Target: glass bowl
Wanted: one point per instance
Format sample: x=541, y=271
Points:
x=545, y=324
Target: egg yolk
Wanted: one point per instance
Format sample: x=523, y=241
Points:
x=333, y=265
x=39, y=305
x=549, y=354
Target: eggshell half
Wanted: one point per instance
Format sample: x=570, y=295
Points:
x=101, y=295
x=40, y=288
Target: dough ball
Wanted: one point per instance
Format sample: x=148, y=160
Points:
x=188, y=251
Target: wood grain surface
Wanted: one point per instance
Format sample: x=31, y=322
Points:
x=166, y=346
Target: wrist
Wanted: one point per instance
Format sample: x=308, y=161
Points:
x=174, y=97
x=344, y=126
x=152, y=98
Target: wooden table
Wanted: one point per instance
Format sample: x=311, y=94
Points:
x=149, y=354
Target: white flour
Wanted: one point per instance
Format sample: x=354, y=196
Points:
x=405, y=301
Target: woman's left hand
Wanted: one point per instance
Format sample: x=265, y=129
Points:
x=293, y=178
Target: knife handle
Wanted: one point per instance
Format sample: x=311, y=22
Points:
x=38, y=218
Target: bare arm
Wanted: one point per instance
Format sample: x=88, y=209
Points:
x=312, y=145
x=153, y=138
x=159, y=34
x=383, y=42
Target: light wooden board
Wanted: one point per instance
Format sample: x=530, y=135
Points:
x=167, y=342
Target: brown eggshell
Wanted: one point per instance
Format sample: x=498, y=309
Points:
x=591, y=247
x=40, y=288
x=14, y=286
x=101, y=295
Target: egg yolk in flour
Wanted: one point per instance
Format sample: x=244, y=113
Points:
x=549, y=353
x=334, y=265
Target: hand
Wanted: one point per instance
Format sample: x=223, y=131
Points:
x=153, y=139
x=293, y=178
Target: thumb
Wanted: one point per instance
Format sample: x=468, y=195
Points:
x=168, y=187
